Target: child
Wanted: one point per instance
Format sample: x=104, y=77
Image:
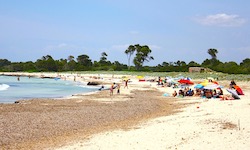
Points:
x=118, y=89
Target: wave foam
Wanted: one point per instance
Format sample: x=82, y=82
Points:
x=4, y=87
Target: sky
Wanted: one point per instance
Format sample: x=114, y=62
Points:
x=174, y=30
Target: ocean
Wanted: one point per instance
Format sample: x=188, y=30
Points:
x=12, y=90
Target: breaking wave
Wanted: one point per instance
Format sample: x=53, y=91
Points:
x=4, y=87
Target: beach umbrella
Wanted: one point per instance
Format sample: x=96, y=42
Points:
x=215, y=82
x=206, y=82
x=211, y=86
x=185, y=81
x=140, y=77
x=198, y=86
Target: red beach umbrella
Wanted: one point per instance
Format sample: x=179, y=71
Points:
x=185, y=81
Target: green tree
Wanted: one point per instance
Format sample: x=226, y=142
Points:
x=206, y=63
x=16, y=66
x=142, y=55
x=245, y=66
x=46, y=63
x=165, y=64
x=117, y=66
x=193, y=64
x=72, y=65
x=70, y=58
x=231, y=67
x=84, y=61
x=103, y=59
x=180, y=63
x=29, y=66
x=61, y=64
x=213, y=53
x=129, y=52
x=4, y=62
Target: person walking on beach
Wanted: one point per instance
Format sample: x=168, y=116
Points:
x=111, y=89
x=126, y=84
x=118, y=88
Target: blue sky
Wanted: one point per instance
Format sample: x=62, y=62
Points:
x=174, y=30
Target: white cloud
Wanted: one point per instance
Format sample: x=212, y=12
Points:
x=222, y=19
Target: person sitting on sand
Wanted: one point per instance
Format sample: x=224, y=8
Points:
x=208, y=94
x=228, y=97
x=174, y=94
x=185, y=91
x=215, y=94
x=197, y=92
x=181, y=93
x=190, y=92
x=232, y=84
x=220, y=91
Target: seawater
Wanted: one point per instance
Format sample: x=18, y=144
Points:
x=12, y=90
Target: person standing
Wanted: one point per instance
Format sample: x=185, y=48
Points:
x=118, y=88
x=111, y=89
x=126, y=84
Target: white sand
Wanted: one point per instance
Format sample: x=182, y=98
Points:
x=210, y=124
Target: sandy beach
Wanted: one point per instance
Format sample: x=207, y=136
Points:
x=138, y=118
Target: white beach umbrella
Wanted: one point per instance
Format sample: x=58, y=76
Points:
x=212, y=86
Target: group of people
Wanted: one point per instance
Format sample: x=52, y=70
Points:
x=206, y=93
x=114, y=86
x=117, y=86
x=184, y=92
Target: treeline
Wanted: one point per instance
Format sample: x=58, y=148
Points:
x=142, y=53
